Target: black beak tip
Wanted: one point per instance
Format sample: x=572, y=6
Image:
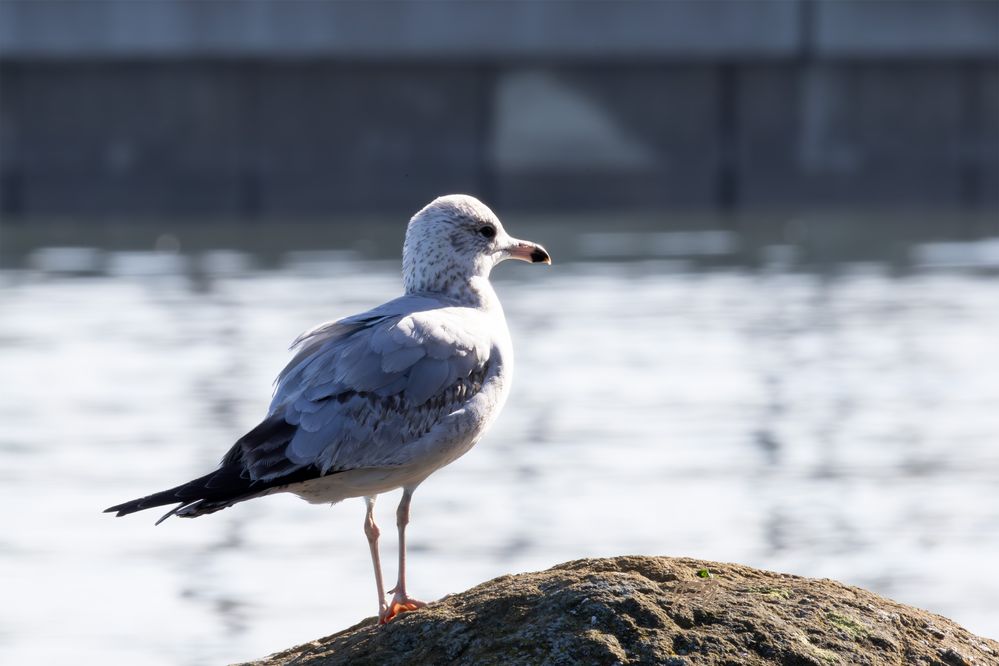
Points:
x=539, y=256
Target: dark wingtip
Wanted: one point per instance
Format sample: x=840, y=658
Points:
x=172, y=512
x=126, y=508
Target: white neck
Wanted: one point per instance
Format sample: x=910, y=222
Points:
x=475, y=291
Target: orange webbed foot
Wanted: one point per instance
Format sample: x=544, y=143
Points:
x=399, y=605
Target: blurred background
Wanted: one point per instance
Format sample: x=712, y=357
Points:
x=770, y=336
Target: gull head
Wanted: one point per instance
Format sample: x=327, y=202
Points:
x=455, y=239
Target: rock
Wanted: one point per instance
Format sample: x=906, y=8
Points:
x=654, y=610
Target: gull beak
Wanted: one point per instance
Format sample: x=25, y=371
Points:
x=528, y=251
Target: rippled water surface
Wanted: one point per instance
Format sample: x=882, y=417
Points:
x=841, y=422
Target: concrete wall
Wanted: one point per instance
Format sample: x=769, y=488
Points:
x=393, y=29
x=561, y=29
x=265, y=108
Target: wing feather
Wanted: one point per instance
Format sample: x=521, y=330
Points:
x=359, y=390
x=403, y=358
x=426, y=379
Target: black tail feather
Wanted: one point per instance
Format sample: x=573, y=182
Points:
x=210, y=493
x=211, y=486
x=230, y=483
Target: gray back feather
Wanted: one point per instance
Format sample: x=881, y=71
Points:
x=360, y=389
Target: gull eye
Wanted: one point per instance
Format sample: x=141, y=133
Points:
x=489, y=231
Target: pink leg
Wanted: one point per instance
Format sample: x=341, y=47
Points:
x=372, y=532
x=401, y=601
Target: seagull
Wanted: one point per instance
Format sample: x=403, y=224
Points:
x=381, y=400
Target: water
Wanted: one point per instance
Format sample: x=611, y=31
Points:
x=835, y=420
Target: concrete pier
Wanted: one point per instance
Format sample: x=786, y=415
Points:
x=264, y=108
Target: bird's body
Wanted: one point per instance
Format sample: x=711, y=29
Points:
x=380, y=400
x=423, y=410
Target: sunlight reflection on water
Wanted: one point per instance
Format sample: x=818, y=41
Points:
x=839, y=425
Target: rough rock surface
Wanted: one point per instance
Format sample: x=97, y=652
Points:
x=654, y=610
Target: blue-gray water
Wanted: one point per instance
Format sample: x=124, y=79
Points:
x=841, y=422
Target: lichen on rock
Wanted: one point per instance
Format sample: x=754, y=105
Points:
x=653, y=610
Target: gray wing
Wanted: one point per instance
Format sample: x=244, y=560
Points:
x=362, y=388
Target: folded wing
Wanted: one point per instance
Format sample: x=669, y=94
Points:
x=361, y=390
